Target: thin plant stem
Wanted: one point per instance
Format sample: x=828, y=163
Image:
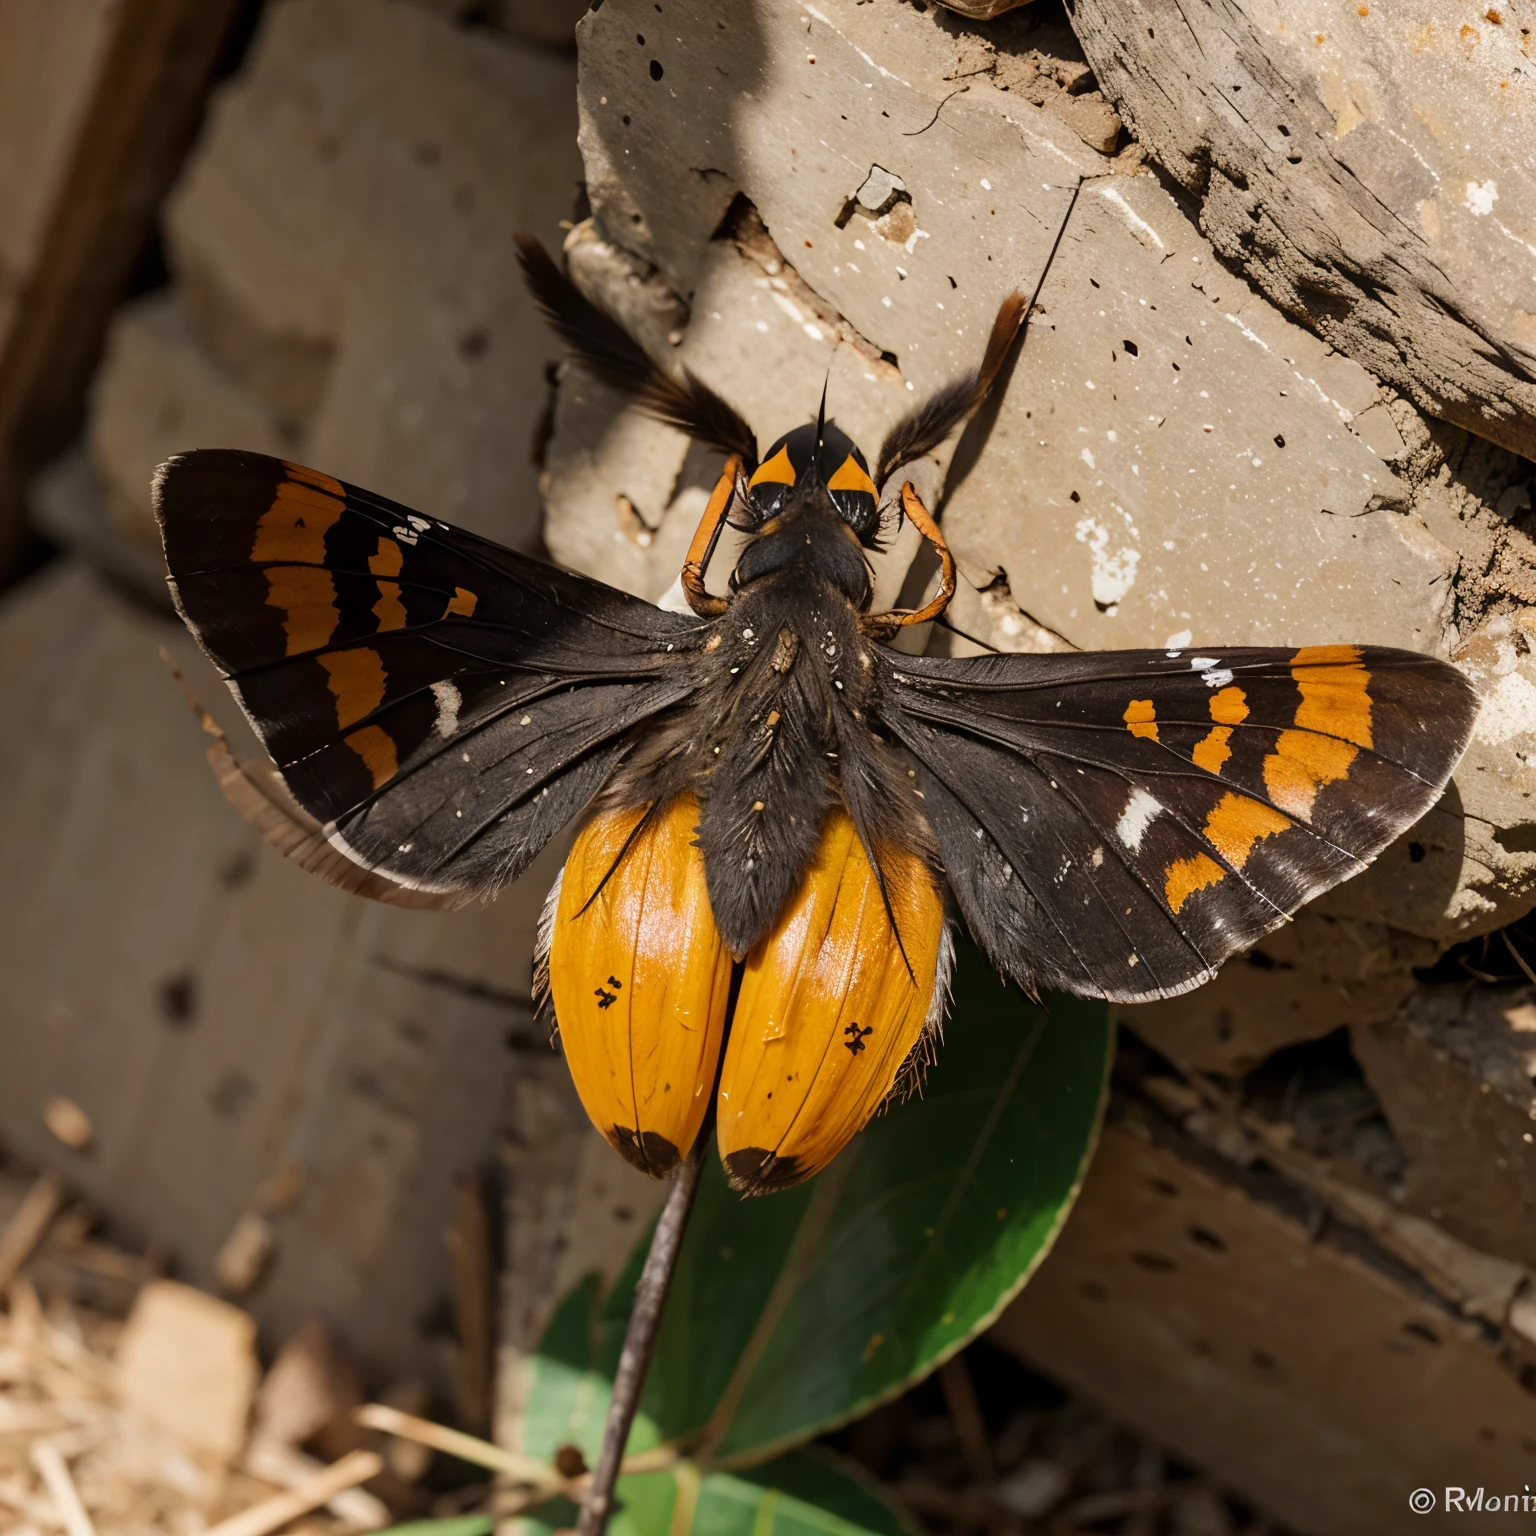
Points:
x=640, y=1338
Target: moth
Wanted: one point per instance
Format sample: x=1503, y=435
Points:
x=780, y=816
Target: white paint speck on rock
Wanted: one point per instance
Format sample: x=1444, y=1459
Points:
x=1114, y=572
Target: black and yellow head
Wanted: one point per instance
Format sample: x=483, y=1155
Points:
x=814, y=458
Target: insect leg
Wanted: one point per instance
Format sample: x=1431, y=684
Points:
x=897, y=618
x=705, y=537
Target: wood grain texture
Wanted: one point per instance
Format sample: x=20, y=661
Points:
x=1454, y=1073
x=1370, y=168
x=1322, y=1378
x=121, y=94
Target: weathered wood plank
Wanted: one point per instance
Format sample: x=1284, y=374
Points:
x=1321, y=1378
x=1454, y=1070
x=1371, y=168
x=106, y=97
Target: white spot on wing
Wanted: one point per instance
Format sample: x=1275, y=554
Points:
x=1216, y=677
x=449, y=700
x=1137, y=816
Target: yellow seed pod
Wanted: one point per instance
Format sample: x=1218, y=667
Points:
x=829, y=1009
x=640, y=980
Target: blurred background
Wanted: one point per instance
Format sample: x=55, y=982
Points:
x=1298, y=1285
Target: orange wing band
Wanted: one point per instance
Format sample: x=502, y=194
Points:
x=640, y=981
x=827, y=1014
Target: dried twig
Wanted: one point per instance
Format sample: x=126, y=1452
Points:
x=454, y=1442
x=958, y=1506
x=1515, y=954
x=274, y=1513
x=54, y=1471
x=287, y=1467
x=640, y=1339
x=965, y=1414
x=540, y=1480
x=474, y=1286
x=16, y=1494
x=27, y=1228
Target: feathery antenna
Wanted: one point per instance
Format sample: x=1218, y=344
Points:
x=610, y=352
x=924, y=427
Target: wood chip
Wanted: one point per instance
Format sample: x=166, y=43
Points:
x=246, y=1253
x=187, y=1361
x=311, y=1383
x=26, y=1313
x=69, y=1123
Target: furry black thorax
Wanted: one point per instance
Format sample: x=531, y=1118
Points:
x=779, y=725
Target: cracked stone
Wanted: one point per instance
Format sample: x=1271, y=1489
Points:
x=1172, y=459
x=1369, y=165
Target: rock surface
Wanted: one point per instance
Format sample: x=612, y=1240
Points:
x=157, y=394
x=1371, y=167
x=842, y=192
x=1315, y=975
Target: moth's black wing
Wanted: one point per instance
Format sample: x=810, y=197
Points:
x=441, y=705
x=1117, y=824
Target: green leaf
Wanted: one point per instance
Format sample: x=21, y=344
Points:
x=806, y=1493
x=793, y=1313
